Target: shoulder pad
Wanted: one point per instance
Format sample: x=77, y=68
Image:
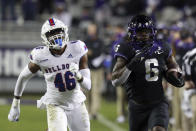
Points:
x=166, y=47
x=124, y=49
x=37, y=54
x=79, y=47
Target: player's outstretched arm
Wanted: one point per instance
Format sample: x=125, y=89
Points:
x=174, y=74
x=120, y=72
x=23, y=78
x=82, y=72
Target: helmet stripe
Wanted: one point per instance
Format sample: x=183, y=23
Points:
x=51, y=21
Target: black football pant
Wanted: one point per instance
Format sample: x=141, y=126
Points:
x=143, y=117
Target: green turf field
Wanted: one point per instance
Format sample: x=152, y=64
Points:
x=33, y=119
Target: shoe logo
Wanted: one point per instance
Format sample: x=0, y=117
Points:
x=70, y=56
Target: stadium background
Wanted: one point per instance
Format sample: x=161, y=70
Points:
x=20, y=27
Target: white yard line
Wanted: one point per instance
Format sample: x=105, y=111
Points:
x=109, y=124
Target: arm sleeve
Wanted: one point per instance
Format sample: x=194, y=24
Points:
x=23, y=78
x=86, y=82
x=122, y=79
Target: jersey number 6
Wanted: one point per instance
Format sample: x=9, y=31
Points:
x=69, y=83
x=151, y=72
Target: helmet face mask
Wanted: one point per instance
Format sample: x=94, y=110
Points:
x=54, y=34
x=141, y=29
x=143, y=35
x=55, y=37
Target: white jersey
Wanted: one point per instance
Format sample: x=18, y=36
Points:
x=62, y=88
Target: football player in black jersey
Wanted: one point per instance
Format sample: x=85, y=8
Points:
x=141, y=63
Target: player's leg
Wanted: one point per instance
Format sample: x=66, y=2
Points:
x=138, y=117
x=78, y=119
x=159, y=117
x=57, y=119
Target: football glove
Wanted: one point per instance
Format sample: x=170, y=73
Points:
x=138, y=57
x=175, y=78
x=74, y=68
x=14, y=113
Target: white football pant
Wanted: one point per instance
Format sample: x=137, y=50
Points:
x=59, y=119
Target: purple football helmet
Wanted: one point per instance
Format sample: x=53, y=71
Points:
x=141, y=29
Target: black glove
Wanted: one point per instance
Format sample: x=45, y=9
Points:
x=175, y=78
x=137, y=58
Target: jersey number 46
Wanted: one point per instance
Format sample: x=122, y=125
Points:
x=66, y=81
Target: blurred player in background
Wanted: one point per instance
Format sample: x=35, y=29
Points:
x=141, y=63
x=64, y=64
x=189, y=97
x=96, y=58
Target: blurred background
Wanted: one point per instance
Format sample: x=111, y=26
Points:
x=99, y=23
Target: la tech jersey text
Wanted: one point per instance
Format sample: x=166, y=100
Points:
x=62, y=88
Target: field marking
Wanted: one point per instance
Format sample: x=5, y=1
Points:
x=109, y=124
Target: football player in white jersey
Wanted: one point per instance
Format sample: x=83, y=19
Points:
x=64, y=65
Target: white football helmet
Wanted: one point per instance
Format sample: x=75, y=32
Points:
x=54, y=34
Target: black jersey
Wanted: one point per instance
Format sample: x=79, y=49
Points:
x=144, y=84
